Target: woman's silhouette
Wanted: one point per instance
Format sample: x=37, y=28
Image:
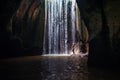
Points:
x=73, y=48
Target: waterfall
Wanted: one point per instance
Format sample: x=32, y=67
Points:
x=60, y=26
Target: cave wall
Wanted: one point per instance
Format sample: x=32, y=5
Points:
x=22, y=26
x=7, y=7
x=28, y=23
x=112, y=11
x=101, y=18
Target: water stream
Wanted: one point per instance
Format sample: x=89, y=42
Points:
x=60, y=26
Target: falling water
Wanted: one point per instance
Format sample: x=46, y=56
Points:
x=58, y=15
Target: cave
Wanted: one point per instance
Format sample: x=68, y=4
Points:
x=59, y=39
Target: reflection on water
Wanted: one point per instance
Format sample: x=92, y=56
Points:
x=52, y=68
x=65, y=68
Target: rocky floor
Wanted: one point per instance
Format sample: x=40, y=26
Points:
x=51, y=68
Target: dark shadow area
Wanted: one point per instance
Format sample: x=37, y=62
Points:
x=11, y=44
x=7, y=10
x=100, y=46
x=101, y=51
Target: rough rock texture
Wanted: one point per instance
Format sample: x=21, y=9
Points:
x=112, y=11
x=28, y=23
x=7, y=10
x=101, y=17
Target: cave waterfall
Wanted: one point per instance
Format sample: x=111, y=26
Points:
x=60, y=26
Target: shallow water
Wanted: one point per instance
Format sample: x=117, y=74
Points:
x=52, y=68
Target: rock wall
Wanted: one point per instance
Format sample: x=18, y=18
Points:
x=101, y=18
x=112, y=11
x=28, y=23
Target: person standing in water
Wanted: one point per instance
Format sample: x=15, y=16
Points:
x=73, y=48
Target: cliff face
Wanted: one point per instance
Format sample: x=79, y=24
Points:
x=22, y=24
x=7, y=10
x=28, y=22
x=102, y=20
x=112, y=11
